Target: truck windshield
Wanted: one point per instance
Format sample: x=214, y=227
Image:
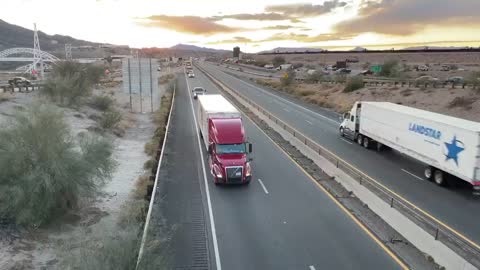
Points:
x=231, y=148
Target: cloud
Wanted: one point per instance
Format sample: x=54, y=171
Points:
x=278, y=27
x=306, y=38
x=189, y=24
x=231, y=41
x=407, y=17
x=255, y=17
x=306, y=10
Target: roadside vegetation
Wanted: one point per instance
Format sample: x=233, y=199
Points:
x=353, y=84
x=70, y=82
x=5, y=97
x=44, y=170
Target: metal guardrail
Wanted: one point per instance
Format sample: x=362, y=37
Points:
x=9, y=88
x=463, y=246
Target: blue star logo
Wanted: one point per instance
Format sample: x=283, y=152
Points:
x=454, y=148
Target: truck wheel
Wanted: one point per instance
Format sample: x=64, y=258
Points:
x=366, y=143
x=342, y=133
x=360, y=139
x=439, y=178
x=379, y=147
x=428, y=172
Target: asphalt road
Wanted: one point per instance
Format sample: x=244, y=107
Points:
x=455, y=206
x=281, y=220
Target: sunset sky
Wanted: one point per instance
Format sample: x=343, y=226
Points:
x=255, y=25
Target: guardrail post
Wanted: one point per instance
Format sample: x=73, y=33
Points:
x=294, y=134
x=436, y=234
x=305, y=141
x=391, y=203
x=337, y=163
x=361, y=178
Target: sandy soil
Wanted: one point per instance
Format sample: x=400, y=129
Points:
x=47, y=247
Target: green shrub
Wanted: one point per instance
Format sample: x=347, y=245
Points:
x=354, y=83
x=340, y=78
x=44, y=170
x=69, y=82
x=110, y=119
x=389, y=68
x=101, y=103
x=287, y=78
x=315, y=77
x=278, y=60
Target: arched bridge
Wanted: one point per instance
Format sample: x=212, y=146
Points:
x=19, y=55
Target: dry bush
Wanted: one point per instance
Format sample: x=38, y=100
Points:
x=165, y=78
x=463, y=102
x=304, y=92
x=101, y=103
x=44, y=170
x=110, y=119
x=353, y=84
x=407, y=92
x=5, y=97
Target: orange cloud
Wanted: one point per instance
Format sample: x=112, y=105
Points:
x=189, y=24
x=306, y=10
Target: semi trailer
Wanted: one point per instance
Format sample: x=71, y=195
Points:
x=448, y=146
x=223, y=134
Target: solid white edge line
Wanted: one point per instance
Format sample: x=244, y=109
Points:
x=207, y=191
x=287, y=110
x=312, y=267
x=263, y=186
x=152, y=199
x=309, y=122
x=287, y=101
x=412, y=174
x=347, y=141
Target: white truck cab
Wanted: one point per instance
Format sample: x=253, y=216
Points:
x=351, y=122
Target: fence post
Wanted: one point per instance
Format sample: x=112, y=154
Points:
x=391, y=203
x=436, y=234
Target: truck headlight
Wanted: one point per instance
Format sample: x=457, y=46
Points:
x=248, y=169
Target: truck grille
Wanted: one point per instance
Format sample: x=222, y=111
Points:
x=234, y=174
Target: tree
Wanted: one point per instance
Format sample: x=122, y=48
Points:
x=278, y=60
x=44, y=170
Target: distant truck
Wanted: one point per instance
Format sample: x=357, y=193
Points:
x=448, y=146
x=222, y=130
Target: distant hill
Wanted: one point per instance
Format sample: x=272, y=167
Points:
x=12, y=36
x=292, y=50
x=358, y=49
x=186, y=47
x=435, y=48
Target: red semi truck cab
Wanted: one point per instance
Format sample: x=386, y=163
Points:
x=224, y=136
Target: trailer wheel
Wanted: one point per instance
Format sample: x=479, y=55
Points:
x=428, y=172
x=439, y=178
x=380, y=147
x=360, y=139
x=366, y=143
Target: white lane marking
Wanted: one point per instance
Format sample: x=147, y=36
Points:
x=263, y=186
x=347, y=141
x=414, y=175
x=309, y=122
x=287, y=110
x=312, y=267
x=207, y=191
x=289, y=102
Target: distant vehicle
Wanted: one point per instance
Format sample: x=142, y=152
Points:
x=197, y=91
x=19, y=81
x=284, y=67
x=426, y=79
x=448, y=146
x=268, y=66
x=352, y=60
x=339, y=65
x=455, y=79
x=366, y=72
x=191, y=75
x=159, y=69
x=423, y=68
x=343, y=71
x=445, y=68
x=223, y=133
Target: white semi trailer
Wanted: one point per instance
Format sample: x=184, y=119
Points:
x=449, y=146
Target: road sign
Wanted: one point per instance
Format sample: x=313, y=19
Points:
x=140, y=77
x=376, y=69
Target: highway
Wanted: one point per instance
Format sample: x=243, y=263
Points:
x=282, y=220
x=455, y=206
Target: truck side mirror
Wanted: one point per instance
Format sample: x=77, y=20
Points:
x=210, y=149
x=250, y=148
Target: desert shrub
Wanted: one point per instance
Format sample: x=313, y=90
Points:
x=110, y=119
x=474, y=79
x=69, y=82
x=304, y=92
x=317, y=76
x=353, y=83
x=389, y=68
x=287, y=78
x=44, y=170
x=278, y=60
x=149, y=164
x=297, y=65
x=101, y=103
x=340, y=78
x=463, y=102
x=5, y=97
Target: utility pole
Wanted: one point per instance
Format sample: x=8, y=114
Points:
x=37, y=52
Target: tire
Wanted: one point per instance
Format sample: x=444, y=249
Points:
x=379, y=147
x=360, y=139
x=439, y=177
x=342, y=133
x=366, y=143
x=428, y=172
